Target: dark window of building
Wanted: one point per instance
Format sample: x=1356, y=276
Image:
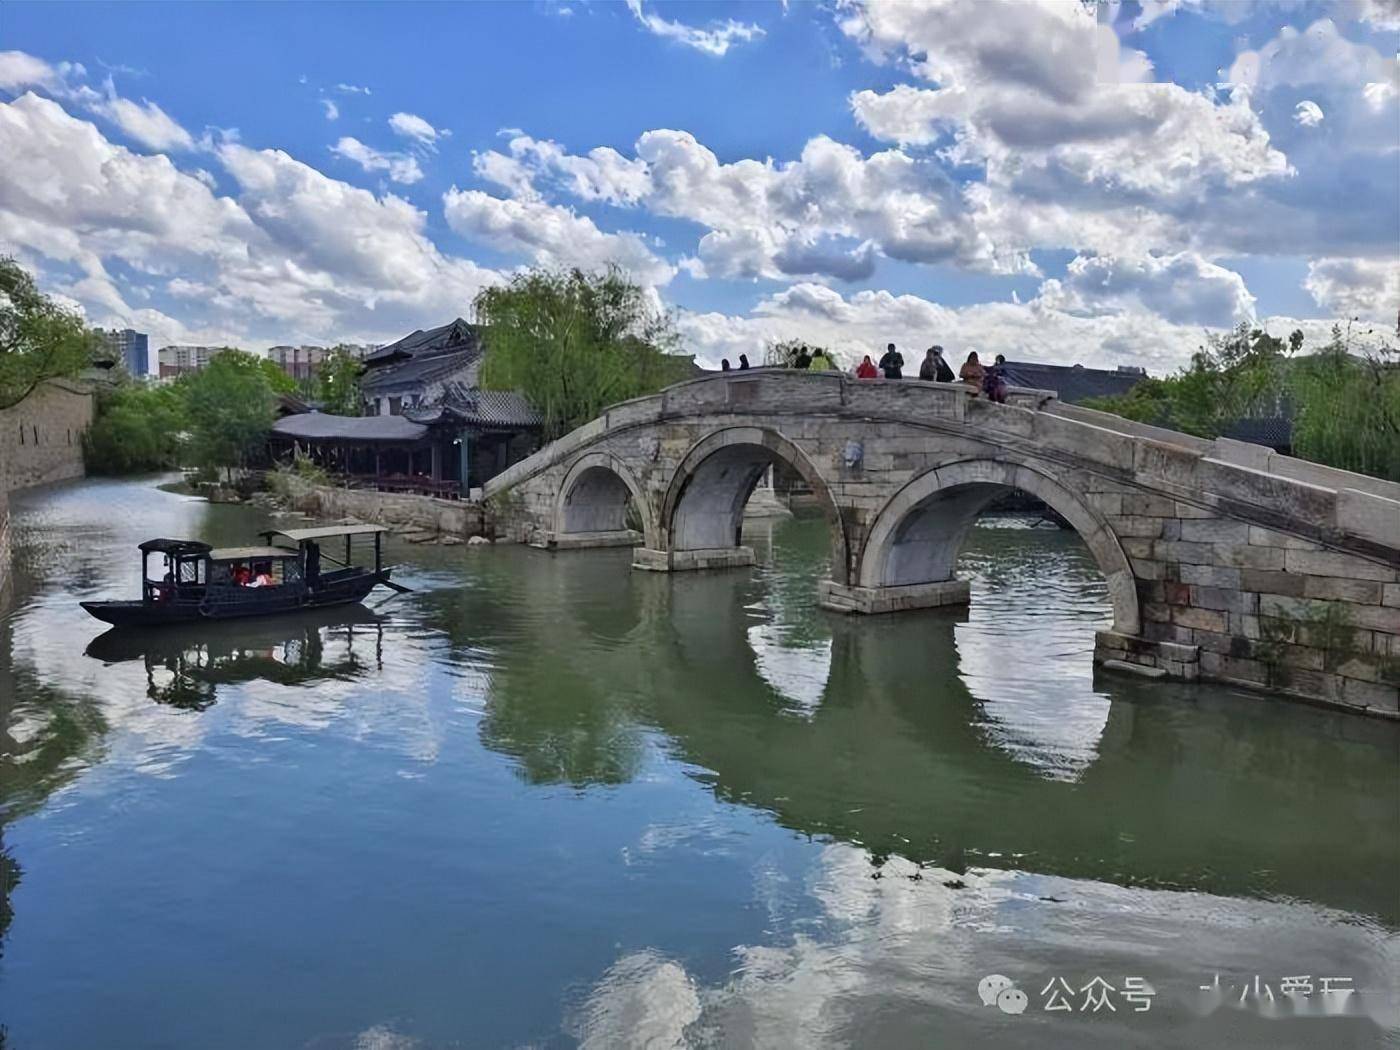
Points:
x=395, y=406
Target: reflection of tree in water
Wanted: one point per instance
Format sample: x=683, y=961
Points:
x=62, y=736
x=561, y=724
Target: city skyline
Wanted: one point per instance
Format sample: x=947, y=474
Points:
x=846, y=175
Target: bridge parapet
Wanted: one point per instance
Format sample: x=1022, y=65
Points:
x=1222, y=560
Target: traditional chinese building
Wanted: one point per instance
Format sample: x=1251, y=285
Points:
x=428, y=426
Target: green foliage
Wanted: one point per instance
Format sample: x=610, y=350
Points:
x=1346, y=407
x=137, y=428
x=337, y=383
x=230, y=404
x=574, y=343
x=39, y=339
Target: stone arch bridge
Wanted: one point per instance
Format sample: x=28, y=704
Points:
x=1223, y=560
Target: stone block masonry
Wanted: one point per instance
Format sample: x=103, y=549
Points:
x=1223, y=560
x=41, y=438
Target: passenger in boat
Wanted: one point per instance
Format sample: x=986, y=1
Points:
x=241, y=576
x=262, y=576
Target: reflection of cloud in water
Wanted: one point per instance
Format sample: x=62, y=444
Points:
x=1037, y=599
x=644, y=1000
x=895, y=961
x=797, y=674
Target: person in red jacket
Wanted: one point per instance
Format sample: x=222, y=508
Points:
x=866, y=369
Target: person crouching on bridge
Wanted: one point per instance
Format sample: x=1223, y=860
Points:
x=994, y=382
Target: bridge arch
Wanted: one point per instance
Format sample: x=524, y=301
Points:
x=916, y=535
x=593, y=498
x=704, y=503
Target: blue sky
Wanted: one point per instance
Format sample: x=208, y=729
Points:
x=1051, y=180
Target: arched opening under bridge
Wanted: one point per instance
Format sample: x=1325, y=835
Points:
x=702, y=515
x=912, y=547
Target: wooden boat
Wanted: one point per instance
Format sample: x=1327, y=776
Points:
x=201, y=582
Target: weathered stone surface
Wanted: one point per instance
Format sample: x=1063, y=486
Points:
x=1330, y=563
x=1212, y=576
x=1333, y=588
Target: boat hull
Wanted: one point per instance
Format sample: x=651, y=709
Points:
x=341, y=588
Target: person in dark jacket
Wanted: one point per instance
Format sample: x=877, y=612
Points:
x=724, y=364
x=803, y=358
x=892, y=364
x=743, y=362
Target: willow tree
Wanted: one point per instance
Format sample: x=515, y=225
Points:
x=573, y=343
x=1347, y=410
x=39, y=338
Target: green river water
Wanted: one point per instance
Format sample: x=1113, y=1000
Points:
x=547, y=801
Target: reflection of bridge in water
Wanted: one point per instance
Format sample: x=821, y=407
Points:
x=899, y=757
x=1218, y=555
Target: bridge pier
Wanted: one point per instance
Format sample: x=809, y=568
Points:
x=577, y=541
x=874, y=600
x=688, y=560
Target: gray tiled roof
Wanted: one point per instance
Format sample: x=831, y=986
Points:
x=415, y=371
x=455, y=335
x=322, y=426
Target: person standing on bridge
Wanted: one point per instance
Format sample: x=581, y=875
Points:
x=866, y=369
x=803, y=358
x=934, y=368
x=972, y=373
x=821, y=362
x=743, y=362
x=892, y=364
x=724, y=364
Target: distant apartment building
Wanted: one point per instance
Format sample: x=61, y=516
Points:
x=301, y=362
x=132, y=347
x=178, y=360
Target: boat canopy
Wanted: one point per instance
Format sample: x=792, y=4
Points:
x=250, y=553
x=178, y=548
x=301, y=535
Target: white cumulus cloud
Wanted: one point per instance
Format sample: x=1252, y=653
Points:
x=401, y=167
x=551, y=235
x=415, y=128
x=715, y=40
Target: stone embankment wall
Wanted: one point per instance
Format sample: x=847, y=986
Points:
x=41, y=438
x=407, y=512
